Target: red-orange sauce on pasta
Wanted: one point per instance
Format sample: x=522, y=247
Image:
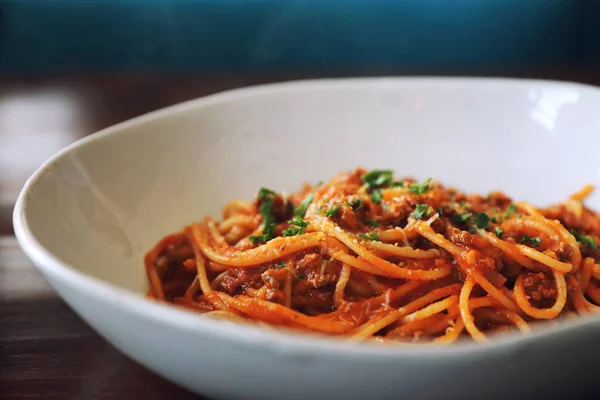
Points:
x=368, y=256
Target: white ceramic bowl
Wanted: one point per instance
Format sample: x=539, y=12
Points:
x=88, y=215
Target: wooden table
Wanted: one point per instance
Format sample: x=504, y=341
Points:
x=46, y=351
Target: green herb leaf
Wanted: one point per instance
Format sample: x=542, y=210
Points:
x=498, y=231
x=461, y=218
x=319, y=184
x=378, y=178
x=293, y=231
x=298, y=227
x=420, y=211
x=420, y=188
x=268, y=220
x=482, y=220
x=372, y=223
x=588, y=241
x=376, y=196
x=256, y=239
x=375, y=180
x=357, y=204
x=301, y=210
x=299, y=277
x=280, y=265
x=472, y=229
x=584, y=239
x=511, y=210
x=369, y=236
x=535, y=241
x=441, y=211
x=397, y=184
x=265, y=193
x=333, y=211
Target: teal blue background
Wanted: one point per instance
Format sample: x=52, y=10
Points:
x=269, y=35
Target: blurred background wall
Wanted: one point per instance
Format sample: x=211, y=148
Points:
x=261, y=36
x=71, y=67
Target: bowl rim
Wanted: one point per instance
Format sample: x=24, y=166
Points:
x=293, y=343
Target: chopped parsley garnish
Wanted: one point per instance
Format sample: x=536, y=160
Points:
x=301, y=210
x=372, y=223
x=482, y=220
x=441, y=212
x=378, y=178
x=319, y=183
x=535, y=241
x=421, y=210
x=333, y=211
x=472, y=229
x=268, y=220
x=298, y=227
x=498, y=231
x=265, y=194
x=397, y=184
x=376, y=196
x=375, y=180
x=420, y=188
x=587, y=240
x=584, y=239
x=369, y=236
x=280, y=265
x=355, y=205
x=299, y=277
x=460, y=218
x=511, y=210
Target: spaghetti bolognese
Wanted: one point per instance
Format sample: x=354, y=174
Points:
x=367, y=256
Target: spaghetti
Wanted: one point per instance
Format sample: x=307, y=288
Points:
x=369, y=257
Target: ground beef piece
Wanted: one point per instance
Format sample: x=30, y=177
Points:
x=476, y=202
x=238, y=279
x=344, y=184
x=499, y=199
x=347, y=218
x=562, y=250
x=274, y=281
x=439, y=225
x=314, y=301
x=317, y=272
x=512, y=270
x=397, y=211
x=540, y=288
x=460, y=237
x=173, y=255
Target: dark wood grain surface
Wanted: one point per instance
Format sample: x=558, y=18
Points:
x=46, y=351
